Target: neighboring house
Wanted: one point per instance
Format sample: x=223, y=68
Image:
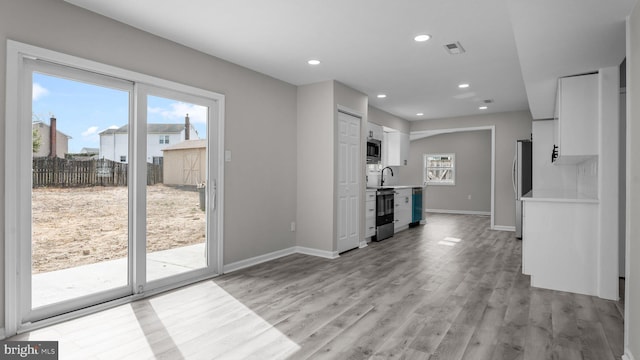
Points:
x=114, y=143
x=59, y=147
x=185, y=163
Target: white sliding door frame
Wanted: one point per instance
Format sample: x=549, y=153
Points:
x=24, y=173
x=17, y=189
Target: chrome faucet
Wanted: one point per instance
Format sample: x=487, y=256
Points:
x=382, y=175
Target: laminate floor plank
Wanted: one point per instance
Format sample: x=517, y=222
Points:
x=451, y=289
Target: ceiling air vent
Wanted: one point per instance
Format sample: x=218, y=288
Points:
x=487, y=101
x=454, y=48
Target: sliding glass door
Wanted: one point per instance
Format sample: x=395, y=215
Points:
x=79, y=251
x=178, y=155
x=123, y=179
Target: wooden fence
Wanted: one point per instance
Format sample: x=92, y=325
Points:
x=57, y=172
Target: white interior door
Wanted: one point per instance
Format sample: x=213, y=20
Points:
x=348, y=234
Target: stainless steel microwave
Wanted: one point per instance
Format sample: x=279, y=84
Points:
x=374, y=151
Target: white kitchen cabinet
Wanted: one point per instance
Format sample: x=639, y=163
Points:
x=374, y=131
x=576, y=123
x=397, y=148
x=402, y=212
x=370, y=213
x=559, y=244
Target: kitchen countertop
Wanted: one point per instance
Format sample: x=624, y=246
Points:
x=394, y=187
x=558, y=196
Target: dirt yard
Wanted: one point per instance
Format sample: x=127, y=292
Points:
x=77, y=226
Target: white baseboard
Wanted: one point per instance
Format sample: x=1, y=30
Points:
x=258, y=259
x=3, y=334
x=278, y=254
x=459, y=212
x=504, y=228
x=316, y=252
x=627, y=355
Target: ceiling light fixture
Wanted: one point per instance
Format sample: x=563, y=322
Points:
x=483, y=108
x=463, y=86
x=313, y=62
x=381, y=96
x=419, y=114
x=422, y=38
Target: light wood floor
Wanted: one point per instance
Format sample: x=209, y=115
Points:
x=413, y=296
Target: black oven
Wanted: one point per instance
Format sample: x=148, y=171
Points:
x=374, y=151
x=384, y=214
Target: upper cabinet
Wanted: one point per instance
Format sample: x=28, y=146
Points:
x=576, y=119
x=396, y=149
x=374, y=131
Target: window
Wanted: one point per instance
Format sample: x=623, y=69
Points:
x=157, y=160
x=164, y=139
x=123, y=158
x=440, y=169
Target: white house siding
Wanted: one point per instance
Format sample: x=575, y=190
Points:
x=154, y=148
x=114, y=149
x=113, y=146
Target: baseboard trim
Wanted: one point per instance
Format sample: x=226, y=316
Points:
x=258, y=259
x=504, y=228
x=459, y=212
x=3, y=334
x=627, y=355
x=316, y=252
x=278, y=254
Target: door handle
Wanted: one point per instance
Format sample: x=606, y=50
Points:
x=214, y=195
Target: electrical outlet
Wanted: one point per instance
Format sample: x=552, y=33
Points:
x=469, y=197
x=293, y=226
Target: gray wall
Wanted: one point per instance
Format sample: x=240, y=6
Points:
x=383, y=118
x=260, y=114
x=510, y=126
x=632, y=319
x=316, y=160
x=472, y=173
x=315, y=166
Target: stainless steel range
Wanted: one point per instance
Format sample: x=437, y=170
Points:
x=384, y=214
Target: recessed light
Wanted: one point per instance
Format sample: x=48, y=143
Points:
x=483, y=108
x=381, y=96
x=313, y=62
x=422, y=37
x=419, y=114
x=463, y=86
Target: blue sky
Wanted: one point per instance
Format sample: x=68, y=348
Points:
x=83, y=110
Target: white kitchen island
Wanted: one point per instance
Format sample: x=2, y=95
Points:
x=560, y=241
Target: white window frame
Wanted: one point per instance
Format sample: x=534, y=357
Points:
x=164, y=139
x=426, y=168
x=18, y=138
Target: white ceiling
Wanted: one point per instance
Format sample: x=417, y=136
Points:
x=557, y=38
x=368, y=45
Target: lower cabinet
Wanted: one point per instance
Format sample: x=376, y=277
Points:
x=402, y=212
x=559, y=245
x=370, y=214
